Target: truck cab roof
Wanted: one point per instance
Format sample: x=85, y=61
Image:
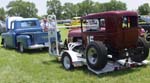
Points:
x=23, y=21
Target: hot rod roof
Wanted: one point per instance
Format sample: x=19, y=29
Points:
x=110, y=13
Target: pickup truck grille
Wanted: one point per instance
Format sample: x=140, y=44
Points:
x=39, y=38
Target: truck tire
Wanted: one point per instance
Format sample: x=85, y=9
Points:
x=67, y=61
x=147, y=37
x=96, y=55
x=141, y=52
x=20, y=47
x=4, y=44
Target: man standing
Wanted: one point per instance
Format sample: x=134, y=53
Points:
x=44, y=25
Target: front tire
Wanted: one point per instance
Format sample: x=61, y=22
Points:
x=67, y=61
x=21, y=48
x=96, y=55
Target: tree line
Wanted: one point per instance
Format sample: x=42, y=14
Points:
x=67, y=10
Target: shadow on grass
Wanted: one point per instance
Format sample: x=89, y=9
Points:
x=48, y=62
x=36, y=51
x=29, y=51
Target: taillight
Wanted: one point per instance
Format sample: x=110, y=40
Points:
x=142, y=32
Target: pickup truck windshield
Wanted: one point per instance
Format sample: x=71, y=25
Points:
x=28, y=24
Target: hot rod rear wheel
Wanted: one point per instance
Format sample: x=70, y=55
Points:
x=67, y=61
x=141, y=52
x=96, y=55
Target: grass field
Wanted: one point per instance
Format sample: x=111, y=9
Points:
x=36, y=66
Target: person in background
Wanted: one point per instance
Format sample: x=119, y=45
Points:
x=44, y=25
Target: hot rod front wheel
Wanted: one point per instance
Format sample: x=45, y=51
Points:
x=141, y=52
x=67, y=61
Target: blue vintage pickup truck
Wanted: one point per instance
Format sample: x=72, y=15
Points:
x=24, y=33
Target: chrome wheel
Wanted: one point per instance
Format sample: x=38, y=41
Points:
x=21, y=48
x=4, y=45
x=67, y=62
x=92, y=55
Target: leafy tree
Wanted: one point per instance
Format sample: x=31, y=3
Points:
x=98, y=7
x=70, y=10
x=114, y=5
x=22, y=8
x=54, y=7
x=2, y=14
x=86, y=7
x=144, y=9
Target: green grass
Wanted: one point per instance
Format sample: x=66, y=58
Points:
x=36, y=66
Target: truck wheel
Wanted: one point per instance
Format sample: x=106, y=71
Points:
x=4, y=44
x=96, y=55
x=21, y=48
x=147, y=37
x=141, y=52
x=66, y=61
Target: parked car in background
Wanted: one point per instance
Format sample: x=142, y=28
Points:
x=24, y=33
x=144, y=22
x=2, y=27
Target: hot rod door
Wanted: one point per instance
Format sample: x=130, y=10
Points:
x=130, y=31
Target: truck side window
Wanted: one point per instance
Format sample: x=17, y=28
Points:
x=102, y=23
x=92, y=24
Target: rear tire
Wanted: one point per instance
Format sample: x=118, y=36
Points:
x=141, y=52
x=67, y=61
x=96, y=55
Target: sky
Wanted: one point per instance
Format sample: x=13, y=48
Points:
x=41, y=4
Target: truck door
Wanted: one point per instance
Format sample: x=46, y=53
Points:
x=130, y=31
x=10, y=38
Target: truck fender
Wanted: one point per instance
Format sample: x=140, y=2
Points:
x=24, y=39
x=73, y=55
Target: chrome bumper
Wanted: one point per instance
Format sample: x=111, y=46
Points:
x=36, y=46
